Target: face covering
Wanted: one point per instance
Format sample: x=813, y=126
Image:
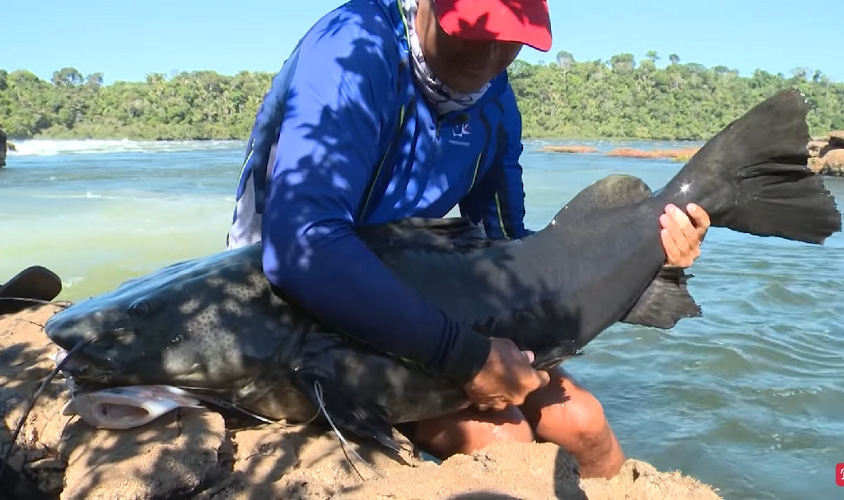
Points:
x=442, y=97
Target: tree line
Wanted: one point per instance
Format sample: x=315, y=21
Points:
x=615, y=98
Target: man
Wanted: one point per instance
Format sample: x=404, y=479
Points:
x=395, y=108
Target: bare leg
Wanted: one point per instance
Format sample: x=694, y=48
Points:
x=569, y=416
x=470, y=430
x=561, y=413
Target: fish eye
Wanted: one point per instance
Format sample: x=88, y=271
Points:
x=140, y=308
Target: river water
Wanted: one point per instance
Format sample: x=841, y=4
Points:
x=748, y=398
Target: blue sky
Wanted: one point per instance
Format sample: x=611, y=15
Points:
x=126, y=39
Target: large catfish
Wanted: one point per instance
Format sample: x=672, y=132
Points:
x=212, y=325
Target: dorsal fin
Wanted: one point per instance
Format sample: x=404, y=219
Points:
x=449, y=234
x=610, y=193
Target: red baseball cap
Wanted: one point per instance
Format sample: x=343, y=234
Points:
x=523, y=21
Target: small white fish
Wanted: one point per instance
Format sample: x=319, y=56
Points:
x=128, y=407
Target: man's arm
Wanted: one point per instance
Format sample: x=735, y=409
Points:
x=328, y=148
x=498, y=200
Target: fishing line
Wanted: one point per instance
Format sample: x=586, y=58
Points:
x=343, y=442
x=8, y=453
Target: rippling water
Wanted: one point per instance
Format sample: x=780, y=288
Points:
x=747, y=398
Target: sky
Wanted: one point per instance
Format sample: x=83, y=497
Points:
x=126, y=39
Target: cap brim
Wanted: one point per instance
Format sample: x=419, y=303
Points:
x=526, y=21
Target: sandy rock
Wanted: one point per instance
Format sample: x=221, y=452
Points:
x=569, y=149
x=526, y=471
x=836, y=138
x=24, y=361
x=175, y=455
x=834, y=160
x=815, y=146
x=827, y=154
x=641, y=481
x=197, y=454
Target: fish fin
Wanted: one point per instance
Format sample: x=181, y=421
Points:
x=69, y=409
x=664, y=302
x=606, y=194
x=753, y=176
x=448, y=234
x=367, y=421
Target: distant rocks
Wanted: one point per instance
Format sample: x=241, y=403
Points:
x=569, y=149
x=827, y=154
x=670, y=154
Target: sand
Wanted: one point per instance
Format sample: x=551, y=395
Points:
x=196, y=453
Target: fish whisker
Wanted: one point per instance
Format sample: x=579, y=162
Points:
x=64, y=304
x=343, y=442
x=232, y=406
x=39, y=325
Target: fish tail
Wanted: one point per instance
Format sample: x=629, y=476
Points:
x=753, y=176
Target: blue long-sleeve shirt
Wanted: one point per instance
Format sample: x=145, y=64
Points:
x=349, y=139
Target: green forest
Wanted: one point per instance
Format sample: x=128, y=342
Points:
x=620, y=97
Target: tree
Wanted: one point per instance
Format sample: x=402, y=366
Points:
x=564, y=59
x=67, y=76
x=622, y=63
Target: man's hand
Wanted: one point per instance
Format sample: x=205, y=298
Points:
x=681, y=237
x=506, y=378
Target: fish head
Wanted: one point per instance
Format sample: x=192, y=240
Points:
x=174, y=326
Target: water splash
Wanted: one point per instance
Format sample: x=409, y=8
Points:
x=50, y=147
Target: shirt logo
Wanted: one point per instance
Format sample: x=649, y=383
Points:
x=460, y=130
x=459, y=134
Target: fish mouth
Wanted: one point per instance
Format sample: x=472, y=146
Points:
x=90, y=344
x=114, y=415
x=83, y=368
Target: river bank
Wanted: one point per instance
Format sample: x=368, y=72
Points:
x=197, y=453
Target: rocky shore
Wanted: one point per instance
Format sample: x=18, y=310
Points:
x=199, y=454
x=827, y=154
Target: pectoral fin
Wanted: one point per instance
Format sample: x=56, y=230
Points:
x=665, y=301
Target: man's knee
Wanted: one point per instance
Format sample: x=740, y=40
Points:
x=568, y=415
x=470, y=430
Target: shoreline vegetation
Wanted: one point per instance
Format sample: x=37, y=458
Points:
x=617, y=98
